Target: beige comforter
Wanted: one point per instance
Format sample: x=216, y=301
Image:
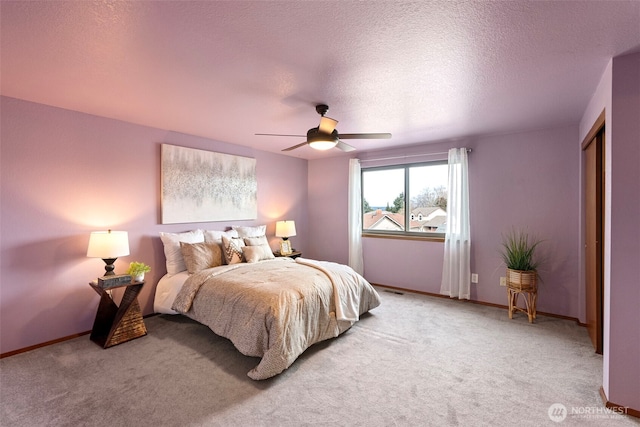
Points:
x=276, y=309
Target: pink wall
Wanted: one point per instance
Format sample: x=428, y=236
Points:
x=65, y=174
x=526, y=179
x=601, y=100
x=328, y=209
x=624, y=292
x=619, y=95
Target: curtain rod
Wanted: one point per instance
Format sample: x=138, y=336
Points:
x=411, y=155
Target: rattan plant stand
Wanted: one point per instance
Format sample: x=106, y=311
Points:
x=523, y=283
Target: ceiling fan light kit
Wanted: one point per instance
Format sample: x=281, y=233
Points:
x=325, y=136
x=322, y=141
x=322, y=145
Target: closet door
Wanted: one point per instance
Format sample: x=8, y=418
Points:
x=594, y=184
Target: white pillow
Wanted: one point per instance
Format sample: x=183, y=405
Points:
x=211, y=236
x=257, y=231
x=172, y=252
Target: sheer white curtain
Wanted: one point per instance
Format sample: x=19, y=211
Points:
x=356, y=260
x=456, y=271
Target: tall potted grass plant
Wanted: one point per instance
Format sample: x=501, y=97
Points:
x=518, y=253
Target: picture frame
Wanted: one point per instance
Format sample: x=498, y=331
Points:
x=203, y=186
x=285, y=247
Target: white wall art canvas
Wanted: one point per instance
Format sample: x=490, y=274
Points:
x=202, y=186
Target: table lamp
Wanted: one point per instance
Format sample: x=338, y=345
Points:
x=108, y=245
x=285, y=229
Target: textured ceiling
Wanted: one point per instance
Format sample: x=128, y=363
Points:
x=425, y=71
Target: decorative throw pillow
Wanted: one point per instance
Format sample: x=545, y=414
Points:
x=172, y=252
x=256, y=241
x=257, y=253
x=232, y=249
x=198, y=256
x=256, y=231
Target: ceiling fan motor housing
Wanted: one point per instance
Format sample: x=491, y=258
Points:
x=314, y=134
x=322, y=109
x=322, y=141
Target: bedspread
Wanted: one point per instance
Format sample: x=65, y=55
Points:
x=275, y=309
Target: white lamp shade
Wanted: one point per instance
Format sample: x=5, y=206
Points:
x=285, y=228
x=108, y=244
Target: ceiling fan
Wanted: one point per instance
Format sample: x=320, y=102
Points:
x=325, y=136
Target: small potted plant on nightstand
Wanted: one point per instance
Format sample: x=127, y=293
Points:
x=136, y=270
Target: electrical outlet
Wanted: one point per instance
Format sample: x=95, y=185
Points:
x=474, y=278
x=503, y=281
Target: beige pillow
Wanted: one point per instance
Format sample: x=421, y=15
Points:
x=232, y=250
x=256, y=241
x=257, y=249
x=257, y=253
x=198, y=256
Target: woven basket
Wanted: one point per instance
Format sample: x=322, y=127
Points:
x=522, y=280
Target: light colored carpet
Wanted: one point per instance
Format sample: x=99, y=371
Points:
x=413, y=361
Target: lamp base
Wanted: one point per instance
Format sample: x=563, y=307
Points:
x=109, y=267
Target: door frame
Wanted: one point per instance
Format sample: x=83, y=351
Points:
x=594, y=322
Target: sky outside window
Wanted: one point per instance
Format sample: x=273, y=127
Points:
x=381, y=187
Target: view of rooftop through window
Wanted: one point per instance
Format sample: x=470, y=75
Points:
x=388, y=191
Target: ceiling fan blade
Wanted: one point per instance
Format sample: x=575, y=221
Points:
x=344, y=147
x=327, y=125
x=295, y=146
x=277, y=134
x=365, y=135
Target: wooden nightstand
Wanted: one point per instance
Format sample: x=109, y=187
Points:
x=114, y=325
x=294, y=254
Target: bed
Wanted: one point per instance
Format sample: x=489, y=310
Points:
x=272, y=308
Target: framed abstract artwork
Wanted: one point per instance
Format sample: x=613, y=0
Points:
x=203, y=186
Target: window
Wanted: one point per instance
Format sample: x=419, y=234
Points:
x=386, y=191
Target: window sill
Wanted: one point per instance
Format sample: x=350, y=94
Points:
x=403, y=237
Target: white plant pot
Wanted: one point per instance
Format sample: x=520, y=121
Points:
x=137, y=278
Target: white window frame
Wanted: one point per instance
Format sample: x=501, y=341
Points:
x=407, y=214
